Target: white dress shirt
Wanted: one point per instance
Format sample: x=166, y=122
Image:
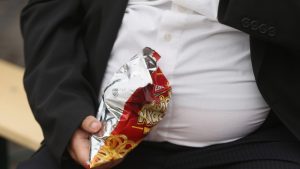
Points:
x=215, y=97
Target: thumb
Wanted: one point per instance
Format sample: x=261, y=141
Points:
x=91, y=125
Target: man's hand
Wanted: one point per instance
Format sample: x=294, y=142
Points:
x=79, y=147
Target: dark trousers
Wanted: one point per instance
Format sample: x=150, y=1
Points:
x=270, y=147
x=255, y=155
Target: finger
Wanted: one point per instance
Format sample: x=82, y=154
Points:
x=91, y=124
x=78, y=160
x=72, y=146
x=80, y=147
x=83, y=156
x=72, y=154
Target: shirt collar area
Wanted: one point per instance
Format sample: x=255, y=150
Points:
x=208, y=8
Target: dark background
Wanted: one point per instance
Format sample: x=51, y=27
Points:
x=10, y=36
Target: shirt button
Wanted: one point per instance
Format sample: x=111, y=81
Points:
x=168, y=37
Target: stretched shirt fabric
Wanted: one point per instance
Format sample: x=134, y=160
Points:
x=215, y=97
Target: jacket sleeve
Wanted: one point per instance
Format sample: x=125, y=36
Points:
x=274, y=21
x=55, y=62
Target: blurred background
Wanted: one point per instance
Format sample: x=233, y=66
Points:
x=11, y=52
x=10, y=37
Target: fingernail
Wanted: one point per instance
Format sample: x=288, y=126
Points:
x=94, y=126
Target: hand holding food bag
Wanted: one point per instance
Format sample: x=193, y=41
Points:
x=135, y=100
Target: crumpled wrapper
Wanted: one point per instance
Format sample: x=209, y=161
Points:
x=135, y=100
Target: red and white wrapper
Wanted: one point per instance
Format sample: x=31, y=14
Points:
x=135, y=100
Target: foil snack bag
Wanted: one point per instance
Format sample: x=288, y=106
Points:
x=135, y=100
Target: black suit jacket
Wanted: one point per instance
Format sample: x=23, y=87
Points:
x=68, y=43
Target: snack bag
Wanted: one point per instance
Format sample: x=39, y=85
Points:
x=135, y=100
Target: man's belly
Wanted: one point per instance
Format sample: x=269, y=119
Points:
x=214, y=114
